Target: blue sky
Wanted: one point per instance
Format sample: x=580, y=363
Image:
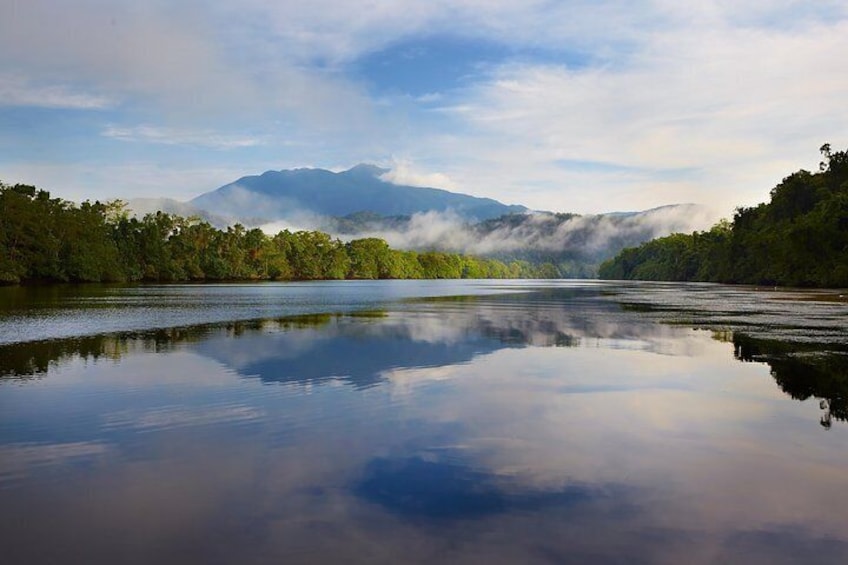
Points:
x=568, y=106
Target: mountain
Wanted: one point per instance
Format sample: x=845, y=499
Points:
x=298, y=192
x=358, y=203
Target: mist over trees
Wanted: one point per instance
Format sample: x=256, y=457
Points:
x=574, y=245
x=44, y=239
x=799, y=238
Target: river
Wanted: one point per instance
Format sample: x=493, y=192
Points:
x=423, y=421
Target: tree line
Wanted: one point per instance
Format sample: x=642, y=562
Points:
x=798, y=238
x=45, y=239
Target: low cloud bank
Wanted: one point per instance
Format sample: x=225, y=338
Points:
x=590, y=236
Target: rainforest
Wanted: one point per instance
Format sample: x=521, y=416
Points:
x=45, y=239
x=798, y=238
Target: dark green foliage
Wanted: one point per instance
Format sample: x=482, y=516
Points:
x=799, y=238
x=43, y=238
x=370, y=258
x=441, y=265
x=48, y=239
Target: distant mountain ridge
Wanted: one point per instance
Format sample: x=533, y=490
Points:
x=358, y=203
x=292, y=192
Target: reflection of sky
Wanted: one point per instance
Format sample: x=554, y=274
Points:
x=635, y=440
x=346, y=349
x=436, y=335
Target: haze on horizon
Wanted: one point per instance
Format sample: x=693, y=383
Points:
x=568, y=106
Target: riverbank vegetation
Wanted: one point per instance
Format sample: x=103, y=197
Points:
x=45, y=239
x=798, y=238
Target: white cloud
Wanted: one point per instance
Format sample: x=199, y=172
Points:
x=126, y=179
x=18, y=91
x=185, y=63
x=542, y=232
x=128, y=48
x=169, y=417
x=731, y=109
x=334, y=31
x=18, y=459
x=711, y=103
x=171, y=136
x=404, y=172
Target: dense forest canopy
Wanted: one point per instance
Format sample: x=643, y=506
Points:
x=799, y=238
x=50, y=239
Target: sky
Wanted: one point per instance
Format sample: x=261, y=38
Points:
x=572, y=106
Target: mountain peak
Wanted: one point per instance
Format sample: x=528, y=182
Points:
x=286, y=193
x=367, y=169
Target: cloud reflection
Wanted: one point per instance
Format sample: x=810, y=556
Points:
x=168, y=417
x=17, y=459
x=440, y=333
x=554, y=427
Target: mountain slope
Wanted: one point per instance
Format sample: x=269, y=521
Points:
x=289, y=193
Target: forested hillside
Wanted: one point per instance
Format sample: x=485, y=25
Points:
x=799, y=238
x=44, y=239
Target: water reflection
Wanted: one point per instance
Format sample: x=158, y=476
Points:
x=546, y=427
x=361, y=348
x=434, y=487
x=67, y=311
x=802, y=371
x=800, y=335
x=33, y=359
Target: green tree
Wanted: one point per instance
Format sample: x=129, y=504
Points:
x=370, y=258
x=438, y=265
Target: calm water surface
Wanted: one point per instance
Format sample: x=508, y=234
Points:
x=455, y=422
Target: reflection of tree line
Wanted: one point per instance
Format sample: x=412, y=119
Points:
x=802, y=371
x=34, y=359
x=527, y=319
x=541, y=319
